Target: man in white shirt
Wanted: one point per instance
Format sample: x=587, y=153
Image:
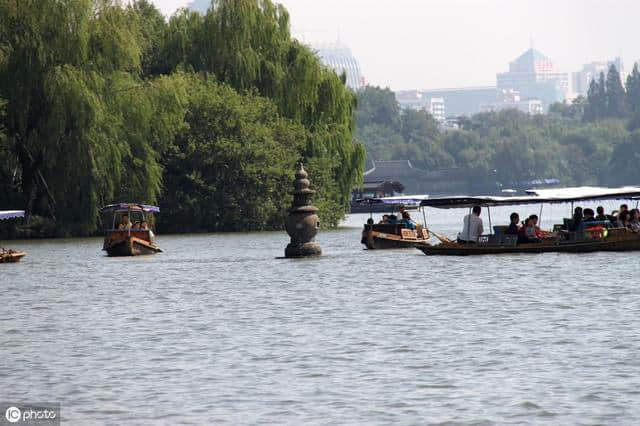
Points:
x=472, y=228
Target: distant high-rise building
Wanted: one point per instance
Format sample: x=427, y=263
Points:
x=581, y=80
x=533, y=75
x=339, y=58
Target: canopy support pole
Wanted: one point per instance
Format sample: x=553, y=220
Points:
x=540, y=215
x=490, y=227
x=424, y=217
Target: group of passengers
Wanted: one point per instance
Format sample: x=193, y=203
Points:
x=623, y=218
x=529, y=232
x=392, y=219
x=126, y=224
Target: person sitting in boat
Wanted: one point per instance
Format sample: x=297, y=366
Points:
x=522, y=232
x=634, y=221
x=406, y=220
x=623, y=219
x=125, y=224
x=601, y=215
x=472, y=227
x=531, y=231
x=513, y=228
x=384, y=220
x=393, y=219
x=577, y=219
x=589, y=216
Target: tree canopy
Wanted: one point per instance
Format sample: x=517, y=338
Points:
x=108, y=102
x=588, y=141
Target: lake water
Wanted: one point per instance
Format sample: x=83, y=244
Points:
x=216, y=330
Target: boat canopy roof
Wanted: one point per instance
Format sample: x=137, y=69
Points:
x=536, y=196
x=129, y=206
x=10, y=214
x=398, y=199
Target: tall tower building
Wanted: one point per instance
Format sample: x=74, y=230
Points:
x=533, y=75
x=338, y=57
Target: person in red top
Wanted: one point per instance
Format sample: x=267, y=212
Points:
x=540, y=234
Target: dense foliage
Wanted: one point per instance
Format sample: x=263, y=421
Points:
x=593, y=140
x=206, y=114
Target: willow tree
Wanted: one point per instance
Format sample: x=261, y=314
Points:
x=248, y=45
x=68, y=71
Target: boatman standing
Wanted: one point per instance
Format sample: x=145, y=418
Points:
x=472, y=228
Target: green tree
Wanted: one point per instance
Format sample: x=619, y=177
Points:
x=625, y=160
x=378, y=106
x=231, y=168
x=615, y=94
x=152, y=29
x=596, y=107
x=633, y=90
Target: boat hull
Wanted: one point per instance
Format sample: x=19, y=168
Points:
x=11, y=256
x=629, y=242
x=377, y=237
x=129, y=246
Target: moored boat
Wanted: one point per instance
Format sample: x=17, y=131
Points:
x=8, y=255
x=129, y=232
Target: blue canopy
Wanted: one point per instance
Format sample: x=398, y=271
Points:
x=130, y=206
x=10, y=214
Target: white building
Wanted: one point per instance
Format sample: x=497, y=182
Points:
x=510, y=99
x=414, y=99
x=581, y=80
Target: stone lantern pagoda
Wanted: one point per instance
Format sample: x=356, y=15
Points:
x=302, y=223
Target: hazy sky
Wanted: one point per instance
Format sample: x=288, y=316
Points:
x=420, y=44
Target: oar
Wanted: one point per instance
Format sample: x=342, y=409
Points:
x=441, y=237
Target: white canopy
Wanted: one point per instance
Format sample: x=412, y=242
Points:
x=9, y=214
x=537, y=196
x=397, y=199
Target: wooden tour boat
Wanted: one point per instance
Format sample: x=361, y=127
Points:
x=11, y=256
x=8, y=255
x=392, y=235
x=130, y=233
x=597, y=238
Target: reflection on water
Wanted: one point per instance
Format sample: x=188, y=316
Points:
x=217, y=330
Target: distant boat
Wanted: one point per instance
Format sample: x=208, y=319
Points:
x=8, y=255
x=395, y=234
x=129, y=232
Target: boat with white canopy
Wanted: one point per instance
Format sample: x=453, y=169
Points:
x=8, y=255
x=595, y=238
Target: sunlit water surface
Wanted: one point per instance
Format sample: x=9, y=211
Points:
x=217, y=330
